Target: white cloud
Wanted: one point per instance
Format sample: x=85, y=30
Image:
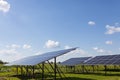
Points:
x=4, y=6
x=91, y=23
x=95, y=48
x=15, y=56
x=109, y=42
x=79, y=51
x=73, y=54
x=9, y=55
x=14, y=46
x=117, y=24
x=52, y=44
x=39, y=52
x=67, y=47
x=26, y=46
x=100, y=50
x=8, y=51
x=112, y=29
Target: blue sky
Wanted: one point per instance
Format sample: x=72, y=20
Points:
x=31, y=27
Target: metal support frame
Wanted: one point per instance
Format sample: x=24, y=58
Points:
x=105, y=69
x=43, y=67
x=97, y=68
x=74, y=69
x=55, y=70
x=115, y=67
x=43, y=70
x=33, y=71
x=93, y=68
x=27, y=70
x=66, y=68
x=16, y=70
x=60, y=71
x=21, y=70
x=83, y=68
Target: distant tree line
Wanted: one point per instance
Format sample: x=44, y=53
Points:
x=1, y=62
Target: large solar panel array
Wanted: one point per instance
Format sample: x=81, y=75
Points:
x=104, y=60
x=33, y=60
x=75, y=61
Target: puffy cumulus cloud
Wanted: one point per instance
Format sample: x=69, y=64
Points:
x=4, y=6
x=9, y=55
x=39, y=52
x=73, y=54
x=95, y=48
x=26, y=46
x=14, y=46
x=15, y=56
x=8, y=51
x=109, y=42
x=100, y=50
x=112, y=29
x=67, y=47
x=52, y=44
x=78, y=51
x=91, y=23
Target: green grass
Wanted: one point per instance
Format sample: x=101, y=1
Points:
x=92, y=77
x=9, y=73
x=71, y=76
x=75, y=77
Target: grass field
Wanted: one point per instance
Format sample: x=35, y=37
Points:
x=9, y=73
x=5, y=76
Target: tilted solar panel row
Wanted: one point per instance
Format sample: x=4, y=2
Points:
x=33, y=60
x=75, y=61
x=98, y=60
x=104, y=60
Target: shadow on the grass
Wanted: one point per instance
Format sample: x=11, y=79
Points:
x=22, y=77
x=77, y=78
x=103, y=74
x=33, y=77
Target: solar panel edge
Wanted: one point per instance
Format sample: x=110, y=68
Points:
x=22, y=62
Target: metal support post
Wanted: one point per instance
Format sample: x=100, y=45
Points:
x=43, y=71
x=55, y=66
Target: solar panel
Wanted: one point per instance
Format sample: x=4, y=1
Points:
x=104, y=60
x=33, y=60
x=75, y=61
